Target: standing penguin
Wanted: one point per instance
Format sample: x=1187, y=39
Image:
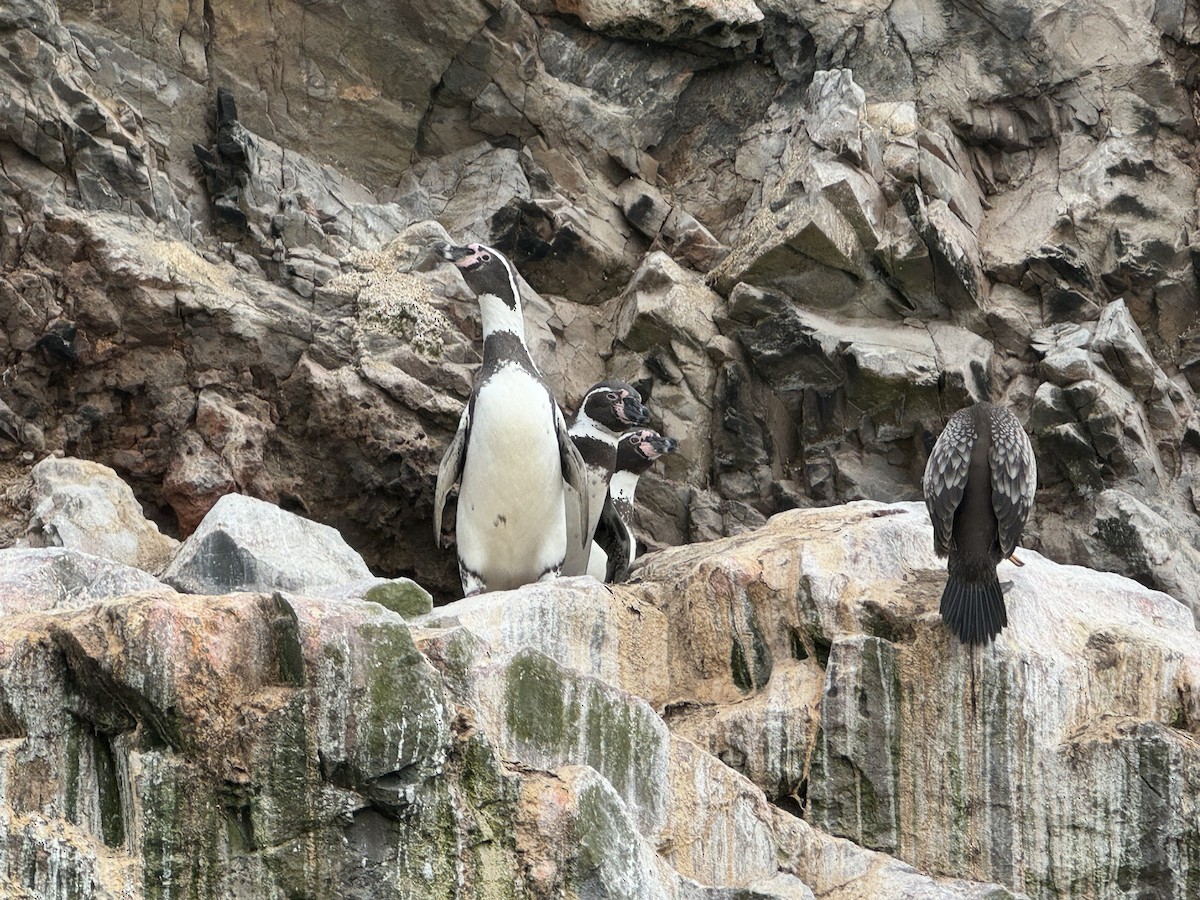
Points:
x=614, y=547
x=608, y=410
x=979, y=486
x=512, y=451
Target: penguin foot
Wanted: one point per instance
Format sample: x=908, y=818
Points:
x=1012, y=558
x=1005, y=587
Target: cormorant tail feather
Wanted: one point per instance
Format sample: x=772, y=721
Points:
x=974, y=610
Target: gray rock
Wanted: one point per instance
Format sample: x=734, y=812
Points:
x=725, y=24
x=85, y=506
x=872, y=364
x=54, y=578
x=835, y=112
x=644, y=206
x=244, y=544
x=1065, y=335
x=686, y=238
x=1129, y=537
x=1064, y=366
x=665, y=331
x=958, y=276
x=1118, y=339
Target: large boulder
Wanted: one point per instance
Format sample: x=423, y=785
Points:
x=245, y=544
x=84, y=506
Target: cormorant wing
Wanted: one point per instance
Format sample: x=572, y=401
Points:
x=946, y=477
x=575, y=475
x=451, y=468
x=1014, y=479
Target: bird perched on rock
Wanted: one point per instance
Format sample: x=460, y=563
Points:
x=512, y=451
x=614, y=547
x=608, y=410
x=979, y=485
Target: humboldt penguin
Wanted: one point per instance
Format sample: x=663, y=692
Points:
x=614, y=547
x=608, y=410
x=979, y=485
x=512, y=451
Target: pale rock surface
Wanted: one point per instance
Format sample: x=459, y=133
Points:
x=865, y=631
x=246, y=544
x=33, y=580
x=84, y=506
x=324, y=726
x=400, y=595
x=1128, y=535
x=727, y=24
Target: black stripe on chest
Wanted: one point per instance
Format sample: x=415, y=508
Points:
x=503, y=348
x=595, y=452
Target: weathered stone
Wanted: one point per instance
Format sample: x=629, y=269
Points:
x=727, y=24
x=141, y=331
x=576, y=622
x=235, y=748
x=958, y=275
x=835, y=111
x=84, y=506
x=871, y=364
x=1128, y=536
x=644, y=206
x=679, y=232
x=552, y=717
x=874, y=703
x=1118, y=339
x=245, y=544
x=664, y=332
x=402, y=596
x=1064, y=366
x=63, y=578
x=195, y=480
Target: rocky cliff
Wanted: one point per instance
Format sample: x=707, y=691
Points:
x=809, y=230
x=777, y=715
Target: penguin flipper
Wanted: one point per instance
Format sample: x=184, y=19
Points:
x=574, y=474
x=597, y=563
x=450, y=470
x=613, y=538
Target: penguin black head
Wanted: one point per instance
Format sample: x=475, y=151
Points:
x=638, y=450
x=615, y=405
x=484, y=268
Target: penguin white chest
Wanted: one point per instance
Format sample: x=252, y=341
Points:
x=511, y=523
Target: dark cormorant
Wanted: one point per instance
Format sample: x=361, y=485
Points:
x=979, y=485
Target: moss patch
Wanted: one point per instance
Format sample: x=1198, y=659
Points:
x=403, y=596
x=406, y=719
x=561, y=718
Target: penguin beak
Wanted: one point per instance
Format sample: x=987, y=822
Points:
x=662, y=444
x=631, y=411
x=449, y=252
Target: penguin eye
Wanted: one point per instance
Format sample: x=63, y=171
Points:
x=612, y=396
x=485, y=257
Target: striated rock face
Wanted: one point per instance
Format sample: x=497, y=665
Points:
x=777, y=715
